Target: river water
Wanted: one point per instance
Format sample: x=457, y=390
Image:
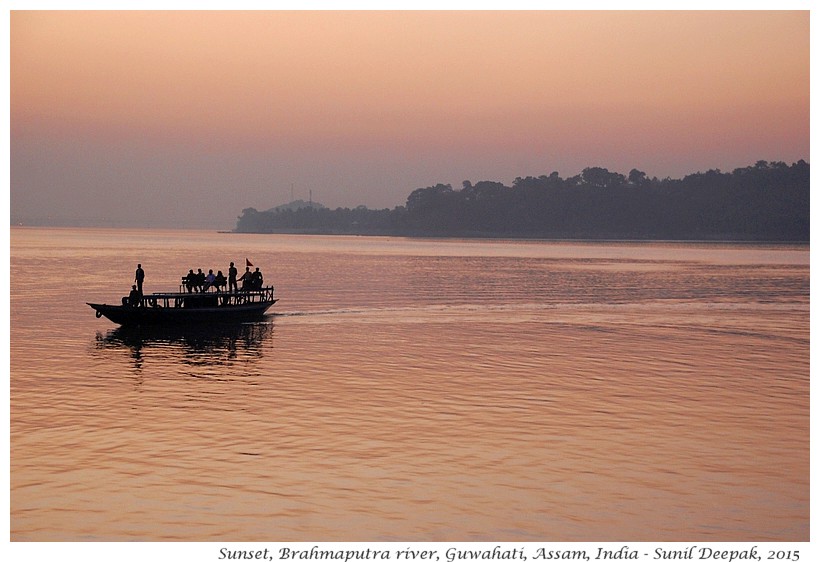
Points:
x=413, y=390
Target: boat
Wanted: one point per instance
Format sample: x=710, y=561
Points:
x=181, y=308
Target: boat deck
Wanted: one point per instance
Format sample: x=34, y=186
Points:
x=207, y=299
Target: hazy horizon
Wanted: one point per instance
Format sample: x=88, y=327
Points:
x=183, y=119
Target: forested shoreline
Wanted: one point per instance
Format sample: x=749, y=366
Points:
x=768, y=201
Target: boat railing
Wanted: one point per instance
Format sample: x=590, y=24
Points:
x=206, y=298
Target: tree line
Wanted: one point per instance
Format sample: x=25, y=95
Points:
x=768, y=201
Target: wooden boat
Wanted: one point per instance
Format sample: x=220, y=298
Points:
x=189, y=308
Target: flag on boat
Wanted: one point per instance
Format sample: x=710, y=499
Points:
x=248, y=263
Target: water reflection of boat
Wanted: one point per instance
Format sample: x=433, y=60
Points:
x=188, y=308
x=216, y=341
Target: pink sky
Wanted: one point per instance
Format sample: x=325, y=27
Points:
x=161, y=108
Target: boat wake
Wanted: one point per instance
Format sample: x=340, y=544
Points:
x=299, y=313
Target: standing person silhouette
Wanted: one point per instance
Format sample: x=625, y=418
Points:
x=256, y=278
x=232, y=279
x=139, y=277
x=247, y=279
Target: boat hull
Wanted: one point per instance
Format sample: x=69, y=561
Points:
x=126, y=315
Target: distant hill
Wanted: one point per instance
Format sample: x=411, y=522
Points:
x=296, y=205
x=767, y=201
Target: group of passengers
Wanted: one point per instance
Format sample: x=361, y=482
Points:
x=199, y=282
